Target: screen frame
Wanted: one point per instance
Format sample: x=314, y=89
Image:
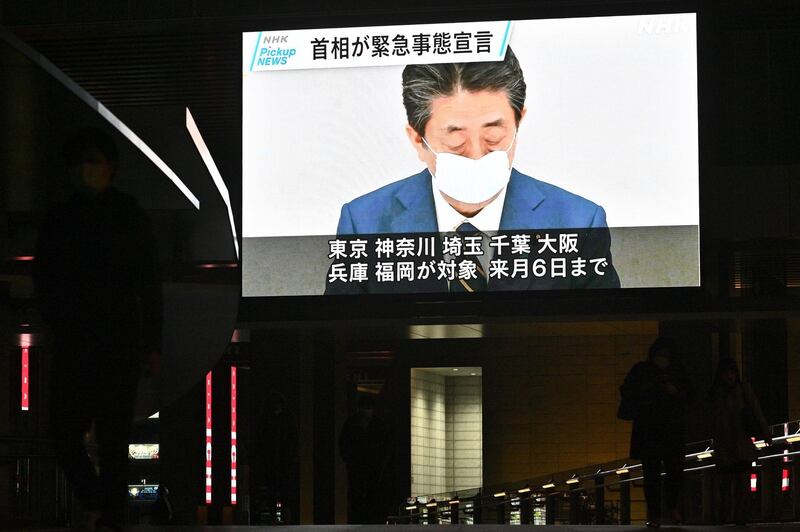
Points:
x=493, y=306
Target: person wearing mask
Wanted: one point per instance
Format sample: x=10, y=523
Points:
x=462, y=124
x=656, y=392
x=736, y=417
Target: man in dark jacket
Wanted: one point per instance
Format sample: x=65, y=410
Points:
x=365, y=445
x=657, y=392
x=97, y=284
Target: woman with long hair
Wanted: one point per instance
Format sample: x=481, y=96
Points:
x=737, y=418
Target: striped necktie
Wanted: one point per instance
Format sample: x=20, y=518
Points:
x=476, y=283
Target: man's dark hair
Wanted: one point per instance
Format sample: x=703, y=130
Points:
x=84, y=145
x=423, y=83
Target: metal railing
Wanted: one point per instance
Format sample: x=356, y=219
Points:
x=602, y=494
x=39, y=493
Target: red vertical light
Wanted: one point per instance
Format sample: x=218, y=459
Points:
x=208, y=438
x=233, y=435
x=25, y=396
x=753, y=482
x=785, y=482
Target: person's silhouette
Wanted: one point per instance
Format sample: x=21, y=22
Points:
x=276, y=464
x=365, y=445
x=98, y=289
x=161, y=512
x=659, y=391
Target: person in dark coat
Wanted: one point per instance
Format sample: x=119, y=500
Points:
x=161, y=513
x=98, y=289
x=732, y=402
x=277, y=461
x=658, y=391
x=365, y=445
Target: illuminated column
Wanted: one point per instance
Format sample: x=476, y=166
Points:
x=25, y=396
x=208, y=438
x=233, y=435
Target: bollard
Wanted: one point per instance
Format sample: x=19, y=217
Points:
x=551, y=507
x=707, y=485
x=430, y=515
x=574, y=506
x=625, y=500
x=502, y=515
x=477, y=509
x=455, y=518
x=599, y=500
x=414, y=517
x=525, y=509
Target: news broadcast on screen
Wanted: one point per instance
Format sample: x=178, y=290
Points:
x=513, y=155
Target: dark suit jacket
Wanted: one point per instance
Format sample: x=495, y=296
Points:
x=407, y=207
x=96, y=272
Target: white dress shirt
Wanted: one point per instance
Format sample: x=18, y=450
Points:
x=487, y=221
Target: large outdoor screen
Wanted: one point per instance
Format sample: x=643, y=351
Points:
x=468, y=157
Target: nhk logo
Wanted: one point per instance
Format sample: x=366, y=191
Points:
x=271, y=53
x=661, y=25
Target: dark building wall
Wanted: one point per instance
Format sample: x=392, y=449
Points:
x=552, y=403
x=550, y=396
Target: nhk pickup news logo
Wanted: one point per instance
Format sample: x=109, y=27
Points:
x=463, y=42
x=273, y=50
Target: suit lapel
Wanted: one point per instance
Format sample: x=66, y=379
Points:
x=519, y=214
x=415, y=211
x=522, y=199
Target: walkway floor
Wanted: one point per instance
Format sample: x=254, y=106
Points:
x=774, y=527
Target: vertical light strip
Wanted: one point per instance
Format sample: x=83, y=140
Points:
x=208, y=438
x=233, y=435
x=24, y=396
x=785, y=482
x=216, y=177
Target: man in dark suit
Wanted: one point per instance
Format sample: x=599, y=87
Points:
x=463, y=120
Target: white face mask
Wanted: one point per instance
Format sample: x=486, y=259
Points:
x=472, y=180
